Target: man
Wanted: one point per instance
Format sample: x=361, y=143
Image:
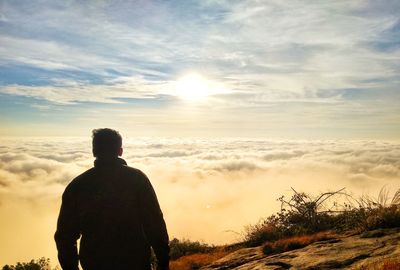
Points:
x=114, y=210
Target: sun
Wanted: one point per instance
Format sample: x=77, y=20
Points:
x=194, y=87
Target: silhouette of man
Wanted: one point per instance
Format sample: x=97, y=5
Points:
x=114, y=209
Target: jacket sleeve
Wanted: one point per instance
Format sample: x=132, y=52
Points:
x=153, y=223
x=67, y=232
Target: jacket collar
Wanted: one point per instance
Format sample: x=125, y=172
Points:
x=105, y=162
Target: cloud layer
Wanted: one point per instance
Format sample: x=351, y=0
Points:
x=221, y=185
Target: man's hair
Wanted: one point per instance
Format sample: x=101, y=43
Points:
x=106, y=142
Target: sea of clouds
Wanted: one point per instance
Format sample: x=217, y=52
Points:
x=208, y=189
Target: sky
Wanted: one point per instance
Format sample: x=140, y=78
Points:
x=225, y=105
x=265, y=69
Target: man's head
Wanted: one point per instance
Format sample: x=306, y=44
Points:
x=107, y=143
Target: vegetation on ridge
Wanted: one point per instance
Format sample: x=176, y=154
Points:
x=303, y=214
x=302, y=220
x=180, y=248
x=39, y=264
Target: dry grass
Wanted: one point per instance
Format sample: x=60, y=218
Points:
x=295, y=242
x=195, y=261
x=390, y=265
x=385, y=264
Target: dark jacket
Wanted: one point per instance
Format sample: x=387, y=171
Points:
x=114, y=209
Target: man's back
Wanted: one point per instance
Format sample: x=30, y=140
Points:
x=114, y=209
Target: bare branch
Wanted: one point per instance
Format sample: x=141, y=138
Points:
x=396, y=198
x=298, y=194
x=327, y=195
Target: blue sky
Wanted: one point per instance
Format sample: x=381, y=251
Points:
x=292, y=69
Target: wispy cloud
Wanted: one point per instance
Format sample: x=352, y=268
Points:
x=72, y=92
x=291, y=46
x=264, y=53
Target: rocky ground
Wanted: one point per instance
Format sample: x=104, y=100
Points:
x=343, y=252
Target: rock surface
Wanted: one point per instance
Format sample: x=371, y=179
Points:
x=344, y=252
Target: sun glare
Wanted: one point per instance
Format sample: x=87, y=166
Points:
x=194, y=87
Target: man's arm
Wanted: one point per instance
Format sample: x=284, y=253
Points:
x=154, y=224
x=67, y=232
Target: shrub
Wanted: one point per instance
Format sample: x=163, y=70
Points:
x=301, y=214
x=259, y=233
x=383, y=217
x=179, y=248
x=368, y=213
x=40, y=264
